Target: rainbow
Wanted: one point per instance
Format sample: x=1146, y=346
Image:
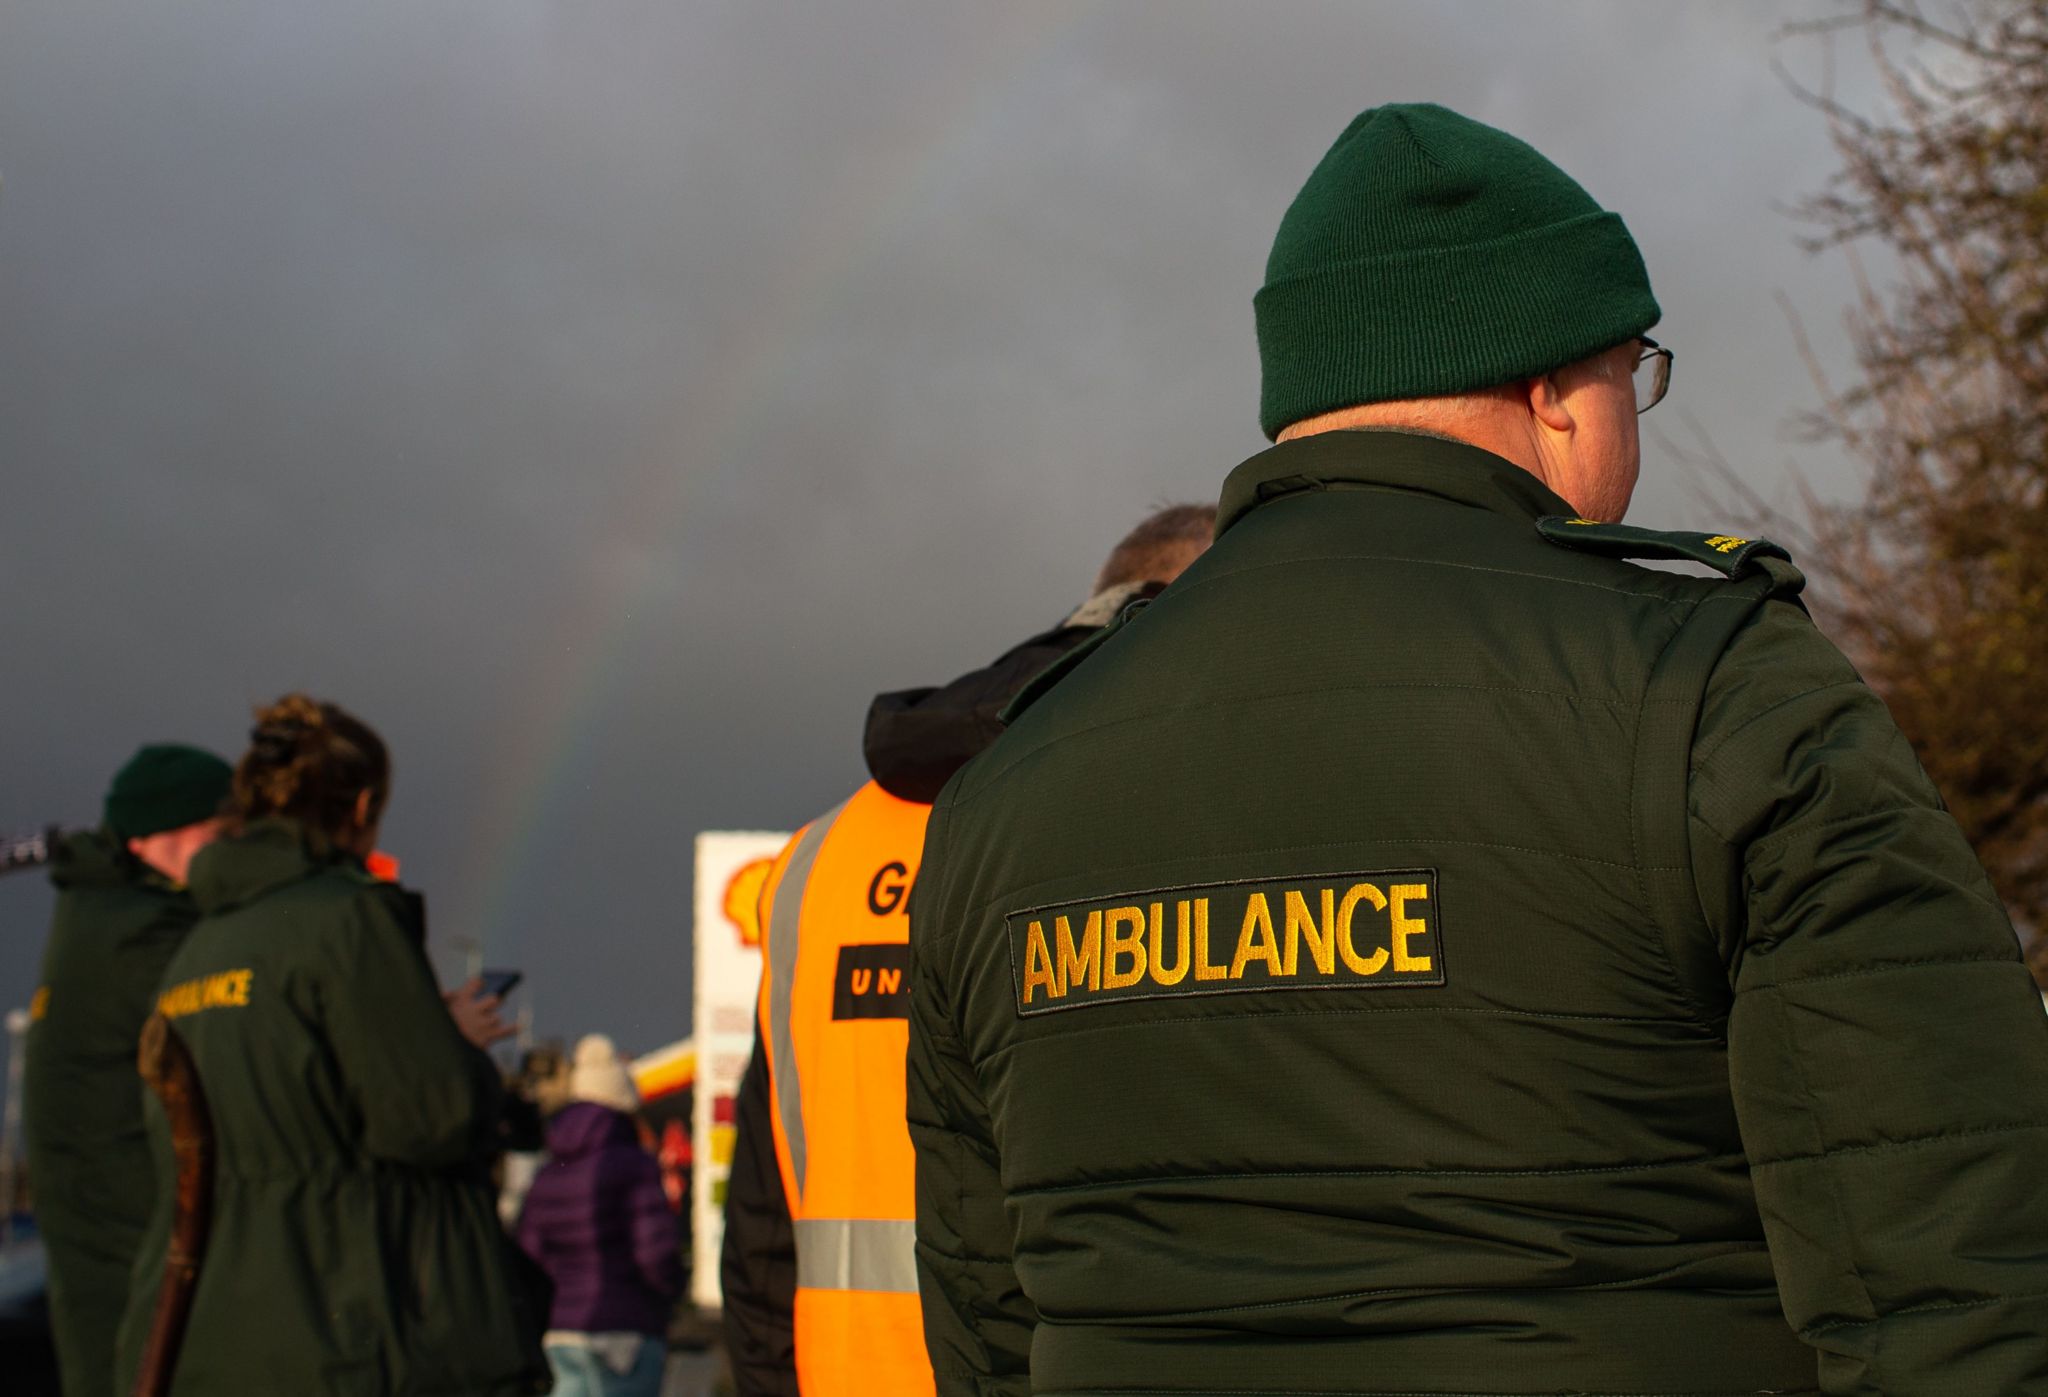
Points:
x=584, y=661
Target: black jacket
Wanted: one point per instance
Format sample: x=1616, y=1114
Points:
x=915, y=740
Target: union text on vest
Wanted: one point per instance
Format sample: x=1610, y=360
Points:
x=1349, y=931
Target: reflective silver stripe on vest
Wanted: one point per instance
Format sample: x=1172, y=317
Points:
x=784, y=921
x=856, y=1254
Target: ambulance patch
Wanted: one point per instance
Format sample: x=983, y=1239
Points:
x=1347, y=931
x=227, y=989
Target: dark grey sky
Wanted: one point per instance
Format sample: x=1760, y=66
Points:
x=604, y=399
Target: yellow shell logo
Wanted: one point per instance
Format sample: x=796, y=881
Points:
x=743, y=900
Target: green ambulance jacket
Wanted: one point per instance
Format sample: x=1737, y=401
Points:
x=1424, y=953
x=116, y=926
x=355, y=1245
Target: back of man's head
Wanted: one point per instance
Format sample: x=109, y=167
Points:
x=165, y=786
x=1431, y=255
x=1160, y=548
x=166, y=803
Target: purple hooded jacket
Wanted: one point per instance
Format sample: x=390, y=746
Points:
x=598, y=1223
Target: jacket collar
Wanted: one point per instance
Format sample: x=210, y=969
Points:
x=917, y=738
x=97, y=859
x=1105, y=606
x=1407, y=461
x=268, y=854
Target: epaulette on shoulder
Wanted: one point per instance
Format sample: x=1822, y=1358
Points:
x=1730, y=554
x=1046, y=679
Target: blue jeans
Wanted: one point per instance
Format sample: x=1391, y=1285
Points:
x=580, y=1372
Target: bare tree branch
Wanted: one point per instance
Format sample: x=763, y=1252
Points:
x=1937, y=579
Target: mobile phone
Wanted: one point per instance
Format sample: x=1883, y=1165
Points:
x=499, y=983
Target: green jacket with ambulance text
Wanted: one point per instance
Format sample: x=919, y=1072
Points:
x=117, y=925
x=1426, y=953
x=355, y=1245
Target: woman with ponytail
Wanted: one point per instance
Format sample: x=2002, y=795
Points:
x=355, y=1244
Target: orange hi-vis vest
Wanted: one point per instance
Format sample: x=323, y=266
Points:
x=835, y=1016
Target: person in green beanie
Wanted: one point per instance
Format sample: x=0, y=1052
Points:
x=122, y=911
x=1426, y=951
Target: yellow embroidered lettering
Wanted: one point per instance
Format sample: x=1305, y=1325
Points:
x=1405, y=926
x=1255, y=939
x=1205, y=969
x=1360, y=965
x=224, y=989
x=1182, y=922
x=1154, y=943
x=1123, y=937
x=1085, y=960
x=1322, y=942
x=1038, y=968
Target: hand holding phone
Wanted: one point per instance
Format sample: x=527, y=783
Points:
x=474, y=1007
x=496, y=984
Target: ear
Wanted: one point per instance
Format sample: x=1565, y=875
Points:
x=1546, y=402
x=363, y=808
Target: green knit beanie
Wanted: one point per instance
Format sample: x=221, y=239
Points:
x=166, y=786
x=1430, y=254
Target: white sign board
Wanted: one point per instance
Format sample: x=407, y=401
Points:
x=731, y=869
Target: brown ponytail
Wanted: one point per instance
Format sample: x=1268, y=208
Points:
x=311, y=761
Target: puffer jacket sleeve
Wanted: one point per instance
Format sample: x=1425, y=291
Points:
x=1888, y=1051
x=977, y=1320
x=757, y=1261
x=426, y=1096
x=530, y=1232
x=657, y=1246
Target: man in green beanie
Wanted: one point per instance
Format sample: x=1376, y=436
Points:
x=122, y=911
x=1425, y=951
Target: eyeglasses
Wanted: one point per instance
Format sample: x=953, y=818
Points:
x=1652, y=374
